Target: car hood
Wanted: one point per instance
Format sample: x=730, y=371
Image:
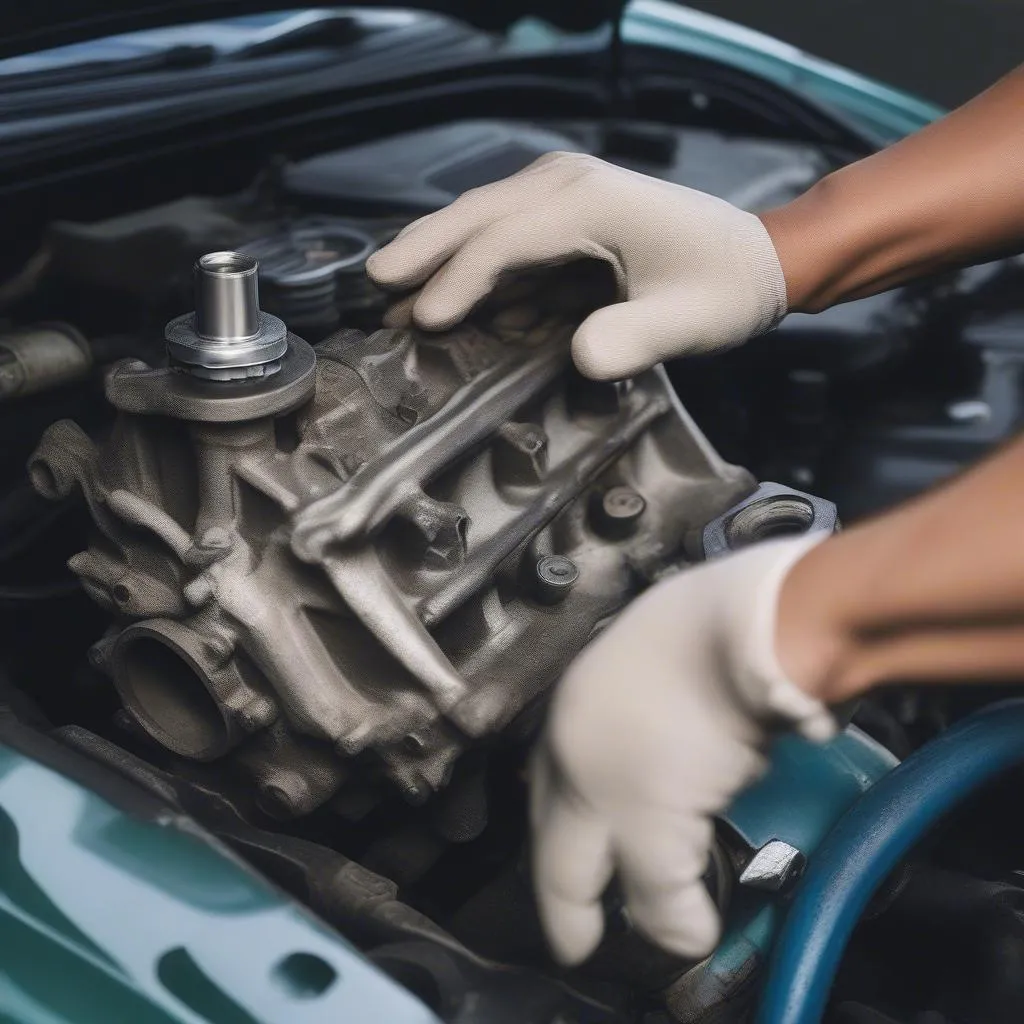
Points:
x=28, y=27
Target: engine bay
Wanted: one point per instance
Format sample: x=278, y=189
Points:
x=319, y=592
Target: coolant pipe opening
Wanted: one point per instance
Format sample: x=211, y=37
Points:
x=160, y=673
x=868, y=843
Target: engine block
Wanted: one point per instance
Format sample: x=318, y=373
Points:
x=361, y=560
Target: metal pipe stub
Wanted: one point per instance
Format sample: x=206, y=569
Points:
x=228, y=337
x=227, y=296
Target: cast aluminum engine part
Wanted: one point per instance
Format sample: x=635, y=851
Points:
x=380, y=554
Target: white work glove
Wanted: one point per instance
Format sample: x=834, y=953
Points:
x=655, y=727
x=696, y=273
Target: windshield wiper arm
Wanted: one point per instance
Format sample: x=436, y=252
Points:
x=308, y=28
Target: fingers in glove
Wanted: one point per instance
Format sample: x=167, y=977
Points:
x=513, y=243
x=661, y=861
x=422, y=247
x=572, y=865
x=399, y=314
x=622, y=339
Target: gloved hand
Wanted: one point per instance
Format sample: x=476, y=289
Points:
x=696, y=273
x=654, y=728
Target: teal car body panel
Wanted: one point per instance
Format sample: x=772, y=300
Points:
x=107, y=917
x=886, y=113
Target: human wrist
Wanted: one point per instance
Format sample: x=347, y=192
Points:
x=803, y=232
x=839, y=240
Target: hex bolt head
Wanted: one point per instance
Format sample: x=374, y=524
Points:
x=774, y=867
x=617, y=512
x=555, y=576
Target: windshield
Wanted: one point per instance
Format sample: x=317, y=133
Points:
x=227, y=37
x=145, y=82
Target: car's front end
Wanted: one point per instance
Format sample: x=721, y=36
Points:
x=263, y=744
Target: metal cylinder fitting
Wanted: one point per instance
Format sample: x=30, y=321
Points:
x=616, y=512
x=228, y=337
x=227, y=296
x=555, y=576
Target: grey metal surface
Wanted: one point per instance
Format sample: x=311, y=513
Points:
x=227, y=296
x=133, y=386
x=365, y=564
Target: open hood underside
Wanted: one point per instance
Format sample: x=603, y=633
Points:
x=26, y=27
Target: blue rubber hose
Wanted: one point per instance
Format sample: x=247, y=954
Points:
x=868, y=842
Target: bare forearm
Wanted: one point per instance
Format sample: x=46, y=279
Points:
x=946, y=196
x=933, y=591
